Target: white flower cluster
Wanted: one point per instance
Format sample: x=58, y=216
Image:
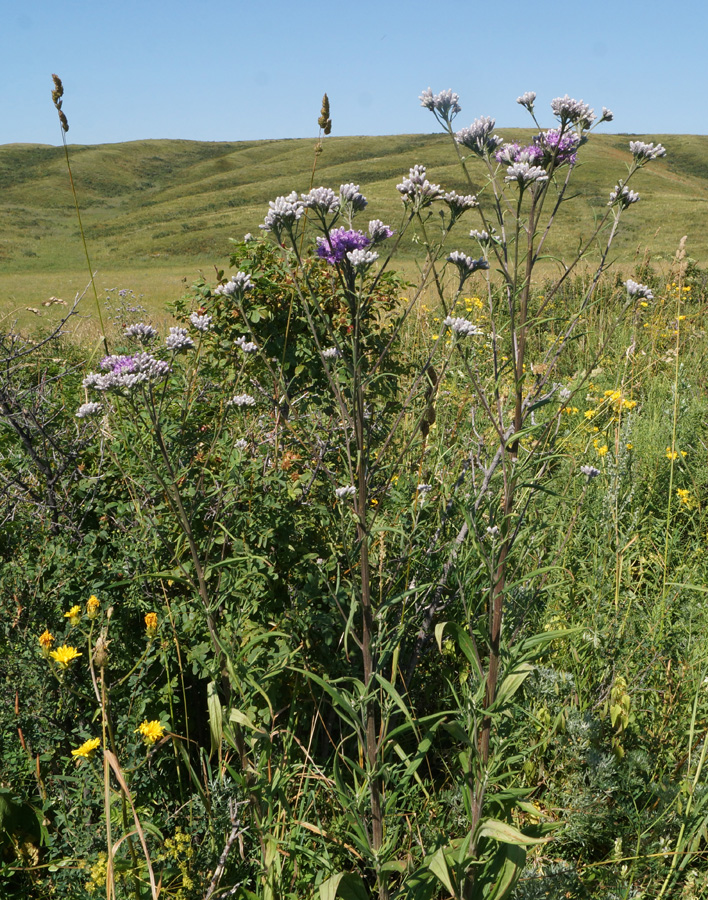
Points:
x=241, y=444
x=574, y=111
x=342, y=492
x=445, y=104
x=378, y=231
x=88, y=409
x=524, y=173
x=458, y=203
x=417, y=189
x=590, y=471
x=634, y=289
x=178, y=339
x=349, y=194
x=242, y=400
x=332, y=353
x=478, y=137
x=141, y=332
x=484, y=238
x=239, y=284
x=645, y=152
x=360, y=260
x=622, y=196
x=201, y=323
x=283, y=213
x=462, y=327
x=321, y=198
x=466, y=265
x=528, y=99
x=246, y=346
x=126, y=372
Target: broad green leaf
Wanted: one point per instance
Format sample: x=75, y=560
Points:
x=216, y=722
x=438, y=866
x=346, y=885
x=507, y=834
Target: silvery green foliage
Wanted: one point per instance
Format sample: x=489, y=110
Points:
x=283, y=214
x=644, y=152
x=349, y=194
x=622, y=196
x=362, y=259
x=462, y=327
x=416, y=189
x=445, y=104
x=478, y=137
x=321, y=198
x=201, y=323
x=141, y=332
x=242, y=400
x=574, y=111
x=634, y=289
x=246, y=346
x=88, y=409
x=178, y=339
x=524, y=174
x=527, y=100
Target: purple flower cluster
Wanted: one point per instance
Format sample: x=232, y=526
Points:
x=126, y=372
x=554, y=145
x=340, y=241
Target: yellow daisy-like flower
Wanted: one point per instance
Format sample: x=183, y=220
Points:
x=151, y=623
x=46, y=639
x=151, y=731
x=73, y=615
x=601, y=451
x=92, y=606
x=87, y=749
x=64, y=655
x=671, y=454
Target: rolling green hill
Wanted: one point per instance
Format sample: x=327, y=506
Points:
x=157, y=209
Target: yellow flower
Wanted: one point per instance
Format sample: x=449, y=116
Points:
x=92, y=606
x=151, y=623
x=87, y=749
x=671, y=454
x=73, y=615
x=601, y=451
x=46, y=639
x=151, y=731
x=629, y=446
x=590, y=413
x=64, y=655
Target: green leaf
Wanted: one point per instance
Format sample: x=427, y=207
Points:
x=216, y=722
x=507, y=834
x=346, y=885
x=511, y=684
x=438, y=866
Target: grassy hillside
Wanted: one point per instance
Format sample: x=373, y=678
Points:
x=155, y=212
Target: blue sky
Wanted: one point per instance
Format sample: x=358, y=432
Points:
x=217, y=70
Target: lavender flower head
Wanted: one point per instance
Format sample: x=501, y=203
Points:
x=590, y=471
x=525, y=174
x=634, y=289
x=574, y=111
x=462, y=327
x=644, y=152
x=527, y=100
x=623, y=197
x=484, y=238
x=334, y=247
x=558, y=146
x=126, y=371
x=416, y=189
x=360, y=260
x=466, y=265
x=444, y=105
x=242, y=400
x=607, y=115
x=322, y=199
x=178, y=339
x=88, y=409
x=283, y=214
x=349, y=195
x=141, y=332
x=201, y=323
x=478, y=137
x=459, y=203
x=378, y=231
x=239, y=284
x=246, y=346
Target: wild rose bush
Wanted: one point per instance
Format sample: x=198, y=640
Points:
x=332, y=538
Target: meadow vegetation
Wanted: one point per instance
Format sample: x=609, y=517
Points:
x=379, y=570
